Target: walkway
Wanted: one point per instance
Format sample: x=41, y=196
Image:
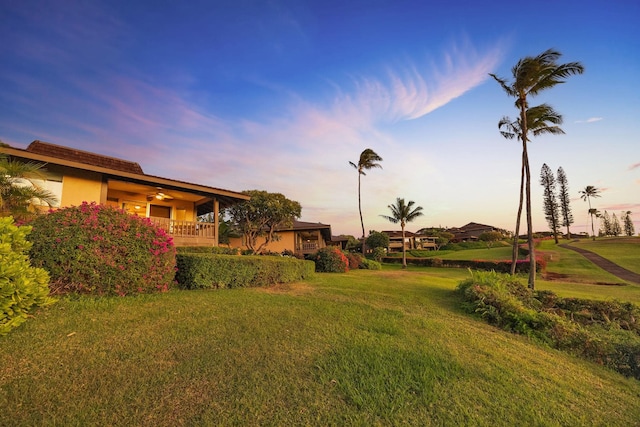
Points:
x=605, y=264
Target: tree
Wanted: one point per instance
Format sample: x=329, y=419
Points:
x=616, y=229
x=403, y=213
x=442, y=237
x=627, y=224
x=20, y=187
x=587, y=194
x=490, y=237
x=542, y=119
x=377, y=239
x=368, y=160
x=605, y=224
x=551, y=206
x=262, y=215
x=564, y=199
x=532, y=75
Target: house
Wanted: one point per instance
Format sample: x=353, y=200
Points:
x=471, y=232
x=301, y=238
x=411, y=241
x=75, y=176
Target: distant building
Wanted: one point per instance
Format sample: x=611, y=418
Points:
x=411, y=241
x=472, y=231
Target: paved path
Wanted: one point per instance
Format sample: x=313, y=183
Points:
x=605, y=264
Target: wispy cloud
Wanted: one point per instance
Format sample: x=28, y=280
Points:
x=412, y=91
x=590, y=120
x=634, y=166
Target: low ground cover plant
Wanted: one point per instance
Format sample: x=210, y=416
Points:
x=102, y=250
x=23, y=288
x=211, y=271
x=606, y=332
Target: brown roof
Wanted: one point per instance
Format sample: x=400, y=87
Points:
x=60, y=152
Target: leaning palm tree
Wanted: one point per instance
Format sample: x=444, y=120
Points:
x=586, y=195
x=532, y=75
x=542, y=119
x=20, y=188
x=368, y=160
x=403, y=213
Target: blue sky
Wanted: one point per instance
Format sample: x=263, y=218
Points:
x=281, y=95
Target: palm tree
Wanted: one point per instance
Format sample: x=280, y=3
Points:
x=19, y=187
x=586, y=195
x=403, y=213
x=542, y=119
x=368, y=160
x=532, y=75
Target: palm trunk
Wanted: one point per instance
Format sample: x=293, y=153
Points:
x=514, y=255
x=404, y=249
x=361, y=221
x=532, y=255
x=593, y=232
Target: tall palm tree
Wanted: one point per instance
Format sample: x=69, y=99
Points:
x=586, y=195
x=542, y=119
x=368, y=160
x=19, y=187
x=403, y=213
x=532, y=75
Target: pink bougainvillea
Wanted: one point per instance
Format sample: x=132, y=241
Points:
x=102, y=250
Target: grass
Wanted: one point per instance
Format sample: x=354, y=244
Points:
x=624, y=251
x=570, y=265
x=388, y=347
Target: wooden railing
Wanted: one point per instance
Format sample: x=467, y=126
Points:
x=186, y=229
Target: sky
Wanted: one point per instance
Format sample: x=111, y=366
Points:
x=280, y=95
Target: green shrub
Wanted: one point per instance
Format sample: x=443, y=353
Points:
x=378, y=253
x=209, y=271
x=98, y=249
x=23, y=288
x=369, y=264
x=331, y=260
x=355, y=260
x=377, y=239
x=606, y=332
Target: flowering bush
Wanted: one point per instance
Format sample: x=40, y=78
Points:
x=22, y=287
x=331, y=260
x=102, y=250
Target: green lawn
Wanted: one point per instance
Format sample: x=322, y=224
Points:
x=624, y=251
x=574, y=267
x=389, y=347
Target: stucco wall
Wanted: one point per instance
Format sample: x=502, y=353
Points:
x=286, y=242
x=87, y=187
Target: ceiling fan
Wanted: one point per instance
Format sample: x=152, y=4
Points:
x=159, y=195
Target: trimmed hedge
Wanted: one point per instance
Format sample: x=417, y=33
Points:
x=522, y=266
x=217, y=250
x=210, y=271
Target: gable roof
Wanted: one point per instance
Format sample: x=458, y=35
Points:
x=117, y=169
x=85, y=157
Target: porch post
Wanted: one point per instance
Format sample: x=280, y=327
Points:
x=216, y=220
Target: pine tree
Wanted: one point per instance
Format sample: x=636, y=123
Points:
x=551, y=207
x=629, y=230
x=605, y=224
x=616, y=230
x=563, y=200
